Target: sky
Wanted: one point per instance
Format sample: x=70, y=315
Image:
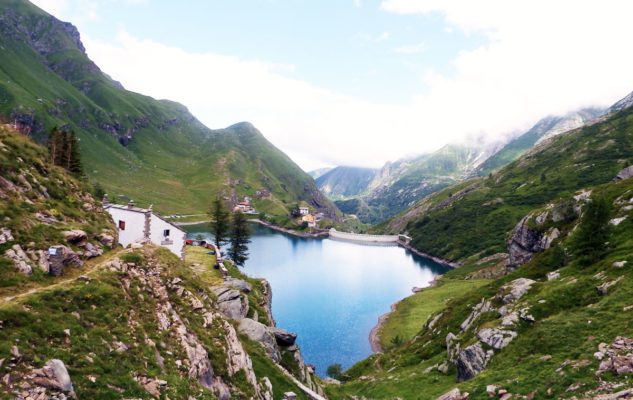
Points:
x=361, y=82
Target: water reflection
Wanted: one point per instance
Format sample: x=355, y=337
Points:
x=331, y=293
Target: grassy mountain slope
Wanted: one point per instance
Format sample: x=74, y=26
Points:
x=545, y=128
x=476, y=215
x=149, y=150
x=557, y=339
x=126, y=323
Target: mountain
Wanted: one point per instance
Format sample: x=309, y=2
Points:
x=487, y=208
x=153, y=151
x=83, y=318
x=542, y=130
x=318, y=172
x=376, y=195
x=539, y=305
x=341, y=182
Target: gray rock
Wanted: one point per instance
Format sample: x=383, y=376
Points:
x=5, y=235
x=604, y=288
x=482, y=307
x=290, y=396
x=619, y=264
x=238, y=284
x=258, y=332
x=283, y=337
x=454, y=394
x=523, y=244
x=75, y=236
x=617, y=221
x=470, y=362
x=626, y=173
x=60, y=257
x=514, y=290
x=20, y=260
x=553, y=275
x=106, y=239
x=60, y=375
x=231, y=302
x=496, y=338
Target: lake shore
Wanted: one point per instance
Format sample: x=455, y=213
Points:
x=374, y=339
x=292, y=232
x=441, y=261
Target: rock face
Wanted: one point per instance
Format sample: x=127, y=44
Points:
x=260, y=333
x=471, y=361
x=523, y=244
x=231, y=302
x=496, y=338
x=283, y=337
x=626, y=173
x=20, y=260
x=514, y=290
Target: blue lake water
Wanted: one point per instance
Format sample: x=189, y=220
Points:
x=329, y=292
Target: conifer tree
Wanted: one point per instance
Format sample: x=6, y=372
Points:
x=220, y=223
x=240, y=238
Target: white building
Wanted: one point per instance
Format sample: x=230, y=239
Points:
x=140, y=224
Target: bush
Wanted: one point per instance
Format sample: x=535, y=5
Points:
x=136, y=258
x=335, y=371
x=590, y=242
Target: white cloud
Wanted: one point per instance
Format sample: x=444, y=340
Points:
x=412, y=48
x=541, y=57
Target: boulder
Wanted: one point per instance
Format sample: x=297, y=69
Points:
x=481, y=307
x=5, y=235
x=604, y=288
x=91, y=251
x=238, y=284
x=54, y=376
x=471, y=361
x=626, y=173
x=617, y=221
x=283, y=337
x=106, y=239
x=231, y=302
x=496, y=338
x=553, y=275
x=260, y=333
x=290, y=396
x=60, y=257
x=514, y=290
x=454, y=394
x=619, y=264
x=19, y=258
x=75, y=236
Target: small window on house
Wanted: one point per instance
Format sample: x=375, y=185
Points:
x=122, y=225
x=166, y=233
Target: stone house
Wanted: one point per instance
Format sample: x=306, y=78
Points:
x=141, y=224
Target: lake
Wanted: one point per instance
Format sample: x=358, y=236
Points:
x=329, y=292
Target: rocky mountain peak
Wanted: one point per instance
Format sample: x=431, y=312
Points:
x=622, y=104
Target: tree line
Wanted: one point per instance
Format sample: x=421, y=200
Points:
x=63, y=149
x=231, y=230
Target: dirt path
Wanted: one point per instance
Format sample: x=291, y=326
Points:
x=90, y=267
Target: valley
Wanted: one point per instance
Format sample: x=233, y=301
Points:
x=145, y=255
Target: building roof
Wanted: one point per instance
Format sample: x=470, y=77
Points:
x=142, y=211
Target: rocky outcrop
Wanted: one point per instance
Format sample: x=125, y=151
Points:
x=5, y=235
x=524, y=242
x=496, y=338
x=617, y=357
x=480, y=308
x=471, y=361
x=49, y=382
x=20, y=260
x=60, y=257
x=514, y=290
x=626, y=173
x=231, y=302
x=258, y=332
x=454, y=394
x=283, y=337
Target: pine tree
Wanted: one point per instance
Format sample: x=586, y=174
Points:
x=55, y=146
x=74, y=158
x=220, y=223
x=240, y=238
x=589, y=243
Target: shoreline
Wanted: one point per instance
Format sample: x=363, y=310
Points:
x=189, y=223
x=292, y=232
x=374, y=340
x=441, y=261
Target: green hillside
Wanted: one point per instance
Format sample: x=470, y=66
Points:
x=475, y=216
x=540, y=309
x=153, y=151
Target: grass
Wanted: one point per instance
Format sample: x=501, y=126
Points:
x=172, y=160
x=413, y=312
